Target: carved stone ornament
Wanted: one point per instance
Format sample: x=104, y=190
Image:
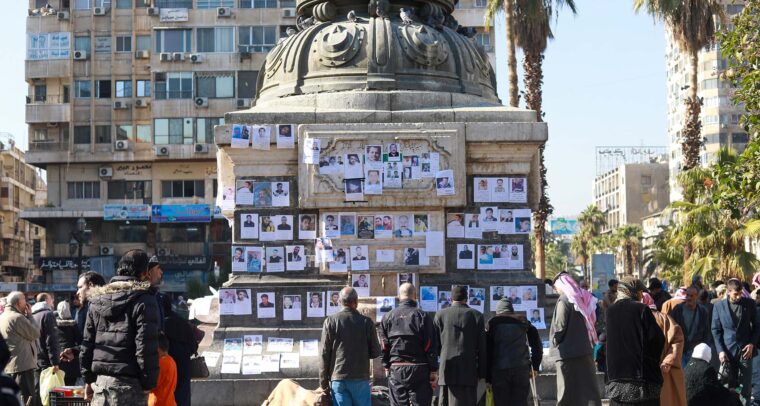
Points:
x=339, y=43
x=423, y=44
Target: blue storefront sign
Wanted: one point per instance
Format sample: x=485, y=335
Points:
x=126, y=212
x=181, y=213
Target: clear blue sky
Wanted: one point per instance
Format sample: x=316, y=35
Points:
x=604, y=84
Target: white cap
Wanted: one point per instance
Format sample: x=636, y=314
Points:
x=703, y=352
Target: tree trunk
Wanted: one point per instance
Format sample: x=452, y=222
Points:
x=540, y=254
x=628, y=260
x=692, y=131
x=514, y=98
x=533, y=81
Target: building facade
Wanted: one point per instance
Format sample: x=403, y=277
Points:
x=123, y=99
x=720, y=117
x=22, y=242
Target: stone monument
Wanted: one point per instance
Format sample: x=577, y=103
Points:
x=404, y=77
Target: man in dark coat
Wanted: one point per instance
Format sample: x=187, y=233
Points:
x=182, y=346
x=409, y=358
x=736, y=330
x=69, y=339
x=702, y=385
x=463, y=360
x=49, y=351
x=694, y=320
x=510, y=364
x=120, y=348
x=659, y=295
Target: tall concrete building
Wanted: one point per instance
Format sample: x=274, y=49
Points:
x=123, y=99
x=22, y=242
x=720, y=117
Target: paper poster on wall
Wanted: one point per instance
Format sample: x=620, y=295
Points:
x=404, y=277
x=348, y=224
x=244, y=192
x=243, y=305
x=307, y=226
x=279, y=344
x=227, y=300
x=444, y=183
x=373, y=157
x=352, y=166
x=280, y=194
x=496, y=293
x=444, y=300
x=289, y=361
x=476, y=298
x=383, y=226
x=485, y=257
x=316, y=306
x=429, y=298
x=235, y=302
x=536, y=318
x=232, y=356
x=384, y=305
x=515, y=256
x=249, y=227
x=330, y=225
x=309, y=348
x=262, y=136
x=385, y=255
x=241, y=136
x=354, y=189
x=266, y=302
x=252, y=344
x=238, y=259
x=392, y=176
x=522, y=221
x=529, y=296
x=225, y=196
x=267, y=231
x=323, y=252
x=518, y=190
x=252, y=364
x=284, y=229
x=262, y=194
x=310, y=151
x=455, y=225
x=275, y=259
x=212, y=358
x=514, y=294
x=499, y=189
x=331, y=165
x=361, y=282
x=481, y=193
x=411, y=256
x=434, y=244
x=359, y=261
x=373, y=184
x=340, y=260
x=472, y=229
x=285, y=136
x=291, y=307
x=424, y=258
x=429, y=164
x=295, y=258
x=366, y=227
x=333, y=302
x=506, y=221
x=392, y=152
x=254, y=259
x=488, y=218
x=403, y=228
x=465, y=256
x=270, y=363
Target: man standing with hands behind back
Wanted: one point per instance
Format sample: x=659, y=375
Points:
x=736, y=329
x=461, y=332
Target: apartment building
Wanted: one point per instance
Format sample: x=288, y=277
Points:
x=22, y=242
x=720, y=117
x=123, y=98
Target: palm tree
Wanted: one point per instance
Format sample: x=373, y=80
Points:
x=507, y=6
x=692, y=27
x=628, y=240
x=591, y=222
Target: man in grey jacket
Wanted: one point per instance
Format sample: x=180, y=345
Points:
x=349, y=341
x=20, y=333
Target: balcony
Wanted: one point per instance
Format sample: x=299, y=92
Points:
x=53, y=68
x=47, y=110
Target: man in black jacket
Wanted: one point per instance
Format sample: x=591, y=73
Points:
x=510, y=363
x=408, y=351
x=49, y=352
x=462, y=338
x=349, y=342
x=120, y=349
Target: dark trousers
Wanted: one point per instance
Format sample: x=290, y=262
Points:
x=25, y=382
x=410, y=385
x=651, y=402
x=745, y=379
x=511, y=386
x=458, y=395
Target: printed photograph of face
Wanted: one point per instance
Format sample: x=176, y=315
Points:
x=374, y=154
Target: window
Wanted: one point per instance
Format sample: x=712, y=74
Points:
x=142, y=42
x=181, y=233
x=174, y=3
x=215, y=86
x=288, y=3
x=247, y=84
x=102, y=3
x=174, y=85
x=258, y=3
x=40, y=93
x=143, y=133
x=82, y=44
x=81, y=4
x=84, y=190
x=131, y=233
x=82, y=89
x=124, y=44
x=102, y=45
x=129, y=189
x=484, y=39
x=220, y=39
x=4, y=192
x=709, y=84
x=124, y=4
x=124, y=132
x=258, y=39
x=82, y=134
x=205, y=129
x=480, y=3
x=215, y=3
x=102, y=134
x=143, y=88
x=734, y=8
x=182, y=188
x=646, y=180
x=123, y=88
x=739, y=138
x=103, y=89
x=173, y=131
x=174, y=40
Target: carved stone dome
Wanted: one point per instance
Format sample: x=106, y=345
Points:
x=349, y=45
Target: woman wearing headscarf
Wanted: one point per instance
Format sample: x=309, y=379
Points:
x=69, y=337
x=702, y=385
x=573, y=336
x=673, y=390
x=634, y=347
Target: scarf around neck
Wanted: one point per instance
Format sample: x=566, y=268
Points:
x=583, y=301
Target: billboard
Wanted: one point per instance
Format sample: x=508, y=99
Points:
x=181, y=213
x=563, y=226
x=113, y=212
x=602, y=270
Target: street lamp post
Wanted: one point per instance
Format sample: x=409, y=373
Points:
x=76, y=242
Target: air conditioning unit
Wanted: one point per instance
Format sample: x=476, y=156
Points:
x=224, y=12
x=165, y=56
x=162, y=151
x=201, y=148
x=201, y=102
x=105, y=172
x=196, y=58
x=154, y=11
x=120, y=105
x=140, y=103
x=164, y=252
x=99, y=11
x=243, y=103
x=106, y=250
x=289, y=12
x=142, y=54
x=63, y=15
x=80, y=55
x=121, y=145
x=178, y=57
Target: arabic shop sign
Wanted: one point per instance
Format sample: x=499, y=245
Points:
x=184, y=263
x=171, y=15
x=63, y=263
x=126, y=212
x=181, y=213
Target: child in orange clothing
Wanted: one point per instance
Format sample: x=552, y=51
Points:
x=163, y=393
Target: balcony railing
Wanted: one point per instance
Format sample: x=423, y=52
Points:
x=50, y=145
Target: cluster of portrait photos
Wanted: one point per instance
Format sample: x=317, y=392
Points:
x=252, y=355
x=259, y=136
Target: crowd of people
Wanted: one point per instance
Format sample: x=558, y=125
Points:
x=121, y=340
x=694, y=348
